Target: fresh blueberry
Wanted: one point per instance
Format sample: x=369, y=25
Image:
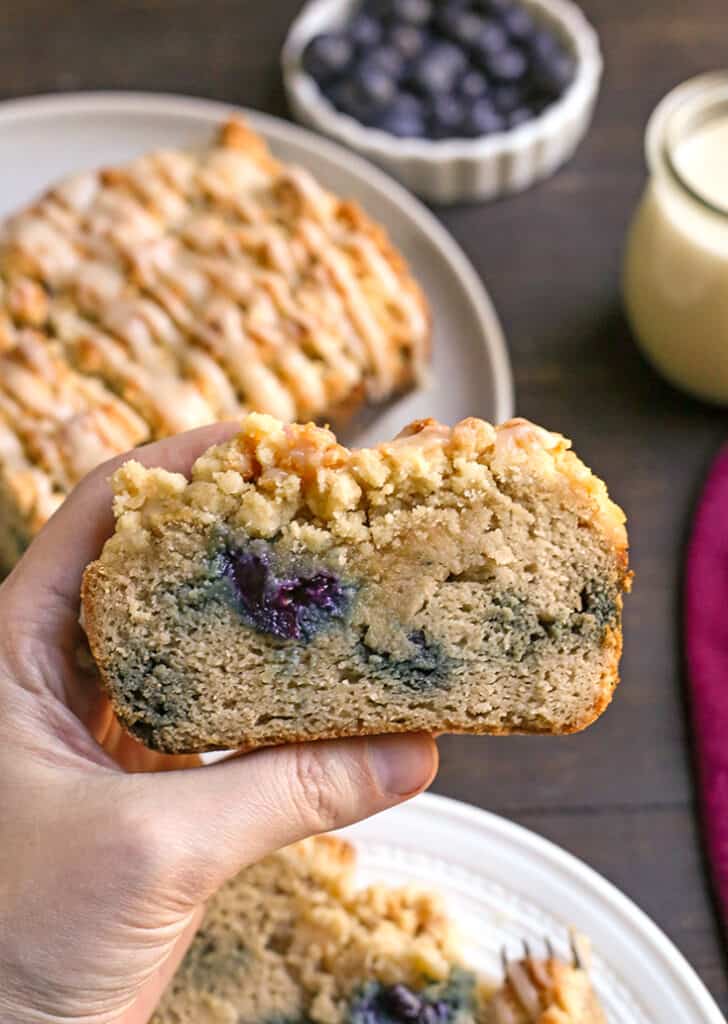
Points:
x=482, y=119
x=543, y=42
x=519, y=116
x=518, y=23
x=491, y=39
x=446, y=117
x=438, y=69
x=506, y=98
x=507, y=66
x=388, y=59
x=473, y=85
x=413, y=12
x=327, y=56
x=463, y=27
x=379, y=9
x=407, y=104
x=552, y=73
x=364, y=31
x=403, y=124
x=375, y=88
x=408, y=40
x=346, y=97
x=497, y=7
x=446, y=18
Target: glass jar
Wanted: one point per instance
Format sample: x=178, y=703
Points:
x=676, y=261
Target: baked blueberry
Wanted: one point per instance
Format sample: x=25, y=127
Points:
x=403, y=1003
x=288, y=608
x=482, y=119
x=473, y=85
x=438, y=69
x=408, y=40
x=327, y=56
x=446, y=117
x=507, y=66
x=365, y=31
x=413, y=12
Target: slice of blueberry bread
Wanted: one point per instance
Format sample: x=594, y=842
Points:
x=465, y=580
x=292, y=940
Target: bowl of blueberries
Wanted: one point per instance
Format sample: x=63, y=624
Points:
x=460, y=99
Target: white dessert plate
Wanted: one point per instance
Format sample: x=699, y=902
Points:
x=45, y=138
x=503, y=884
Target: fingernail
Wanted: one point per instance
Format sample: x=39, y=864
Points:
x=402, y=764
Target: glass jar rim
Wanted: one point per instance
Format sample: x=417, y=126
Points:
x=684, y=109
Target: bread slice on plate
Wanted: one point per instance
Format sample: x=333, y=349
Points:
x=180, y=289
x=463, y=580
x=293, y=939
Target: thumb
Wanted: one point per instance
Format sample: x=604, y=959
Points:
x=208, y=823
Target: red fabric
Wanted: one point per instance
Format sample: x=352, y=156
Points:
x=706, y=648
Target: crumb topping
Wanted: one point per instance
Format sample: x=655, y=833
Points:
x=273, y=473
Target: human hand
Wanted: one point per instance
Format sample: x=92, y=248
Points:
x=107, y=850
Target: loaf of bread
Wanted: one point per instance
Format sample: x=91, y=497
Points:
x=180, y=289
x=292, y=939
x=464, y=580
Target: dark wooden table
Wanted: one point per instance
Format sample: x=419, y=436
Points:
x=621, y=795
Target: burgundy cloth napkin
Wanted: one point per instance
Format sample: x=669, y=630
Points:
x=706, y=649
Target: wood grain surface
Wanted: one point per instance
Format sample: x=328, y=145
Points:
x=621, y=795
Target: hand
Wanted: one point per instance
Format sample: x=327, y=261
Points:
x=107, y=850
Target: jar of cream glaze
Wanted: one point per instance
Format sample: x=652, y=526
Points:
x=676, y=262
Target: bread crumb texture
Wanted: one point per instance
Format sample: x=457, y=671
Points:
x=464, y=578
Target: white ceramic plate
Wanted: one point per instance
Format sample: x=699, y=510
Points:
x=45, y=138
x=503, y=884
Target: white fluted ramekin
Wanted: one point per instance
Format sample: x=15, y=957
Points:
x=455, y=170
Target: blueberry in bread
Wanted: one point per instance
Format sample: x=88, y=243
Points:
x=181, y=289
x=465, y=580
x=293, y=939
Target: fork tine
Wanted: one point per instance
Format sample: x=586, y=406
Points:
x=578, y=962
x=526, y=950
x=504, y=959
x=550, y=948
